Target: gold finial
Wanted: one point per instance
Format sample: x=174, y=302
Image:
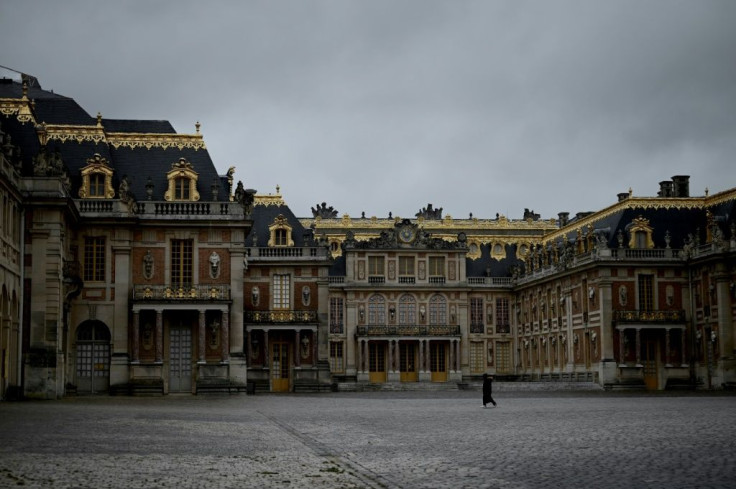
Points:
x=631, y=192
x=196, y=126
x=706, y=191
x=25, y=89
x=278, y=190
x=99, y=119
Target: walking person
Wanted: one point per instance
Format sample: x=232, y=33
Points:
x=488, y=390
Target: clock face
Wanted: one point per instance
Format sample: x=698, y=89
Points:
x=406, y=234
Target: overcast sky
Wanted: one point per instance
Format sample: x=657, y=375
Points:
x=384, y=106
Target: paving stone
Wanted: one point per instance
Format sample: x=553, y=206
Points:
x=372, y=440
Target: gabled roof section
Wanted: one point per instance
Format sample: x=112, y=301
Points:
x=264, y=215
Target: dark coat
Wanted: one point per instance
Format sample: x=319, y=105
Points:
x=487, y=390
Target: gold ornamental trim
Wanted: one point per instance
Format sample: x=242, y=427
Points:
x=64, y=133
x=135, y=140
x=19, y=107
x=269, y=199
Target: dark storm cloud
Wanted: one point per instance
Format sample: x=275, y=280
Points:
x=377, y=106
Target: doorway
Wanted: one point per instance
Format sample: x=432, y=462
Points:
x=93, y=358
x=407, y=362
x=438, y=361
x=180, y=359
x=649, y=360
x=280, y=366
x=377, y=362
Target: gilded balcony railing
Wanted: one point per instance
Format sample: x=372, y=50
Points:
x=659, y=316
x=286, y=316
x=409, y=330
x=181, y=293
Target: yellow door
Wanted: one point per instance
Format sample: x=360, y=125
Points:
x=407, y=362
x=438, y=361
x=279, y=366
x=649, y=361
x=377, y=358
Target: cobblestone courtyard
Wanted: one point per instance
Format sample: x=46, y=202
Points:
x=355, y=440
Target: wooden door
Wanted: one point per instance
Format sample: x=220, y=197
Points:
x=280, y=367
x=377, y=362
x=407, y=362
x=438, y=361
x=649, y=361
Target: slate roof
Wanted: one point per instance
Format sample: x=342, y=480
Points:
x=264, y=215
x=137, y=163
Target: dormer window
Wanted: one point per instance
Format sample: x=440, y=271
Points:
x=96, y=179
x=182, y=182
x=280, y=232
x=640, y=234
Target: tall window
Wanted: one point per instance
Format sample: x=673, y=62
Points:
x=281, y=289
x=94, y=259
x=375, y=265
x=476, y=315
x=181, y=189
x=181, y=262
x=336, y=315
x=437, y=310
x=377, y=310
x=337, y=361
x=407, y=309
x=646, y=292
x=503, y=322
x=436, y=266
x=406, y=266
x=97, y=185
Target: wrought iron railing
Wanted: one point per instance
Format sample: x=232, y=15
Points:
x=659, y=316
x=181, y=293
x=285, y=316
x=409, y=330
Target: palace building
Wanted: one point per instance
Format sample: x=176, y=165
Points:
x=130, y=266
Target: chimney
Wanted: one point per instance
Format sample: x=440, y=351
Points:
x=665, y=189
x=563, y=217
x=681, y=185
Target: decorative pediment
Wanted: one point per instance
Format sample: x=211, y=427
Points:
x=280, y=232
x=405, y=234
x=182, y=182
x=96, y=179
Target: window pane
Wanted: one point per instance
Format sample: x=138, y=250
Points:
x=94, y=259
x=181, y=262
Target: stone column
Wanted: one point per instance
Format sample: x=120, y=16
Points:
x=726, y=353
x=315, y=346
x=225, y=336
x=135, y=346
x=457, y=355
x=421, y=355
x=570, y=343
x=359, y=360
x=201, y=344
x=297, y=355
x=390, y=355
x=159, y=336
x=683, y=363
x=266, y=350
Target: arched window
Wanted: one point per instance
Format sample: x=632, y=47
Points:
x=377, y=310
x=182, y=186
x=182, y=182
x=96, y=179
x=437, y=310
x=407, y=309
